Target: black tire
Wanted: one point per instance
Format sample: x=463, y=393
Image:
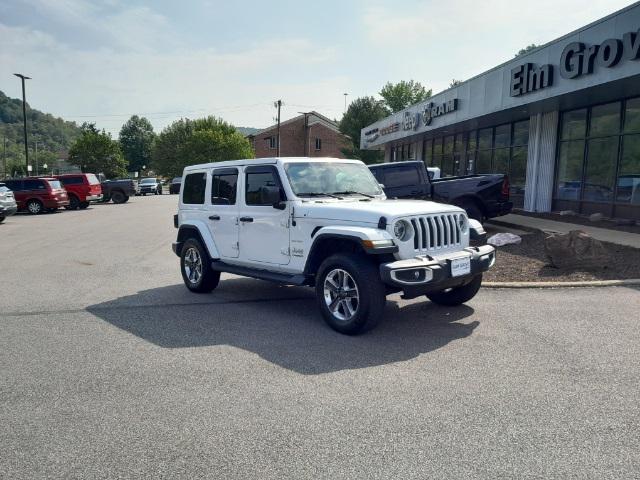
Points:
x=84, y=205
x=2, y=219
x=74, y=203
x=118, y=197
x=473, y=210
x=207, y=279
x=35, y=207
x=370, y=291
x=457, y=295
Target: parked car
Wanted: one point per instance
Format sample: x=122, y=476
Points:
x=174, y=186
x=8, y=205
x=482, y=196
x=118, y=191
x=37, y=195
x=149, y=185
x=82, y=188
x=324, y=223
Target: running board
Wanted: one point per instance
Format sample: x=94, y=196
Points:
x=277, y=277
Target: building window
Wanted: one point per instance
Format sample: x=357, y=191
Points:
x=273, y=142
x=599, y=159
x=318, y=144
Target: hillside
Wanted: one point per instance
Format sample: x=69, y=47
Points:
x=52, y=134
x=247, y=130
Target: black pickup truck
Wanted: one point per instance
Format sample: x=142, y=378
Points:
x=118, y=191
x=482, y=196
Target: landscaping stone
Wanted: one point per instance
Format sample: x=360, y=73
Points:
x=567, y=213
x=575, y=250
x=596, y=217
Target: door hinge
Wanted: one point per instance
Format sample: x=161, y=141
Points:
x=236, y=246
x=285, y=251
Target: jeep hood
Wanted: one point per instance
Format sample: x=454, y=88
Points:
x=370, y=211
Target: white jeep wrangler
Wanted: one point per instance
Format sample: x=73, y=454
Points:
x=325, y=223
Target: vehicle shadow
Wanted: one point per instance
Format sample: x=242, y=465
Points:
x=282, y=325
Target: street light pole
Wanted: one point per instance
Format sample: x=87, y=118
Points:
x=24, y=118
x=345, y=102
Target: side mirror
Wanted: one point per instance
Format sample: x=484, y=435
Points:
x=272, y=196
x=381, y=185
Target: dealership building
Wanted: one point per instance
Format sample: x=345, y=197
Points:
x=563, y=121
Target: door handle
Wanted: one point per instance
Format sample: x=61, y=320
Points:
x=246, y=219
x=214, y=217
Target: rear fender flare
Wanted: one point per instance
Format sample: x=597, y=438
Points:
x=197, y=228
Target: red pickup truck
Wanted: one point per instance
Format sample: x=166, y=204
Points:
x=82, y=188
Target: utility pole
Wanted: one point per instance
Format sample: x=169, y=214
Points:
x=24, y=118
x=278, y=104
x=345, y=102
x=36, y=159
x=4, y=156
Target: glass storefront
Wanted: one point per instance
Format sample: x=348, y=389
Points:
x=598, y=163
x=499, y=149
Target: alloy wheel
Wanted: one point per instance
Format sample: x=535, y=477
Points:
x=341, y=294
x=193, y=265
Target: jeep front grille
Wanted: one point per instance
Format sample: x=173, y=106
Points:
x=436, y=232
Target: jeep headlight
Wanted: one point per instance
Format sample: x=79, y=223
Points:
x=463, y=224
x=402, y=230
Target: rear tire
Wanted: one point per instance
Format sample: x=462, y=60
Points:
x=350, y=294
x=34, y=207
x=118, y=197
x=2, y=219
x=195, y=266
x=74, y=203
x=457, y=295
x=473, y=210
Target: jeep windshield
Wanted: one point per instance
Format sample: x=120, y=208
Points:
x=315, y=179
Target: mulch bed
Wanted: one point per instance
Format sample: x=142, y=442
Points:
x=527, y=262
x=580, y=220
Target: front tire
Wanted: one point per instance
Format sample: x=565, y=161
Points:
x=74, y=203
x=195, y=266
x=457, y=295
x=350, y=294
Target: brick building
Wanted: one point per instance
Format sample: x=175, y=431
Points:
x=307, y=135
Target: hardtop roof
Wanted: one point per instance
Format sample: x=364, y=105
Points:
x=266, y=161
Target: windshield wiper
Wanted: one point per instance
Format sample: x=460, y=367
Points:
x=353, y=192
x=318, y=194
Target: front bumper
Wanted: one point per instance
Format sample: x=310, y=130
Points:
x=424, y=274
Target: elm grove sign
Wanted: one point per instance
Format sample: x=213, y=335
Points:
x=577, y=59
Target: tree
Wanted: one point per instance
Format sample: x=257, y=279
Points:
x=96, y=152
x=361, y=113
x=188, y=142
x=403, y=94
x=455, y=83
x=136, y=141
x=526, y=49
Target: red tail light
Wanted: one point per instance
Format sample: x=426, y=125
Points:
x=505, y=187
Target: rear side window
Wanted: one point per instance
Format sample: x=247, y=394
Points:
x=54, y=184
x=71, y=180
x=224, y=184
x=193, y=190
x=401, y=176
x=92, y=179
x=259, y=178
x=34, y=185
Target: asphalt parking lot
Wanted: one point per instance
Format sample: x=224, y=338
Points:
x=110, y=368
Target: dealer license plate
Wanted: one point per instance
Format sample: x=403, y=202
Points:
x=460, y=266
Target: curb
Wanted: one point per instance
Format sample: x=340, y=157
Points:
x=593, y=283
x=525, y=228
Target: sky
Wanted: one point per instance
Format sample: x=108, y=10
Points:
x=105, y=61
